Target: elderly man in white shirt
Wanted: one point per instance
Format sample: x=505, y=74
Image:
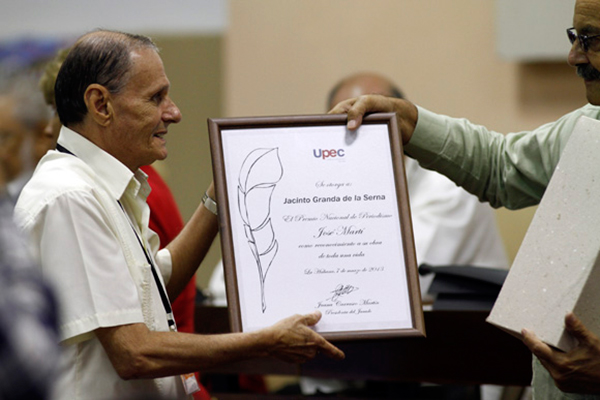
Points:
x=86, y=212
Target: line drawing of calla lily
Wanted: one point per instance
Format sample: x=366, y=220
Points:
x=259, y=174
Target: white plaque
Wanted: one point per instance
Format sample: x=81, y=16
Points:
x=556, y=268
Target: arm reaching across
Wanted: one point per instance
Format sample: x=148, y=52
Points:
x=356, y=108
x=137, y=352
x=577, y=370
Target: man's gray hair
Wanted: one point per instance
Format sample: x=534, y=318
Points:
x=102, y=57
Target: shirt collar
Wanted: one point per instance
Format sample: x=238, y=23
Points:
x=115, y=175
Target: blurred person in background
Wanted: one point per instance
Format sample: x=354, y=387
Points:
x=29, y=350
x=23, y=119
x=450, y=227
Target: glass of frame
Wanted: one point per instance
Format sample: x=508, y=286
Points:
x=316, y=217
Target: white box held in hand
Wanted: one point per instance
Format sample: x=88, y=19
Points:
x=556, y=268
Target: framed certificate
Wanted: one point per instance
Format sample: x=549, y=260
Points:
x=316, y=217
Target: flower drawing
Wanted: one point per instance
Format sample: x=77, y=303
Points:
x=260, y=172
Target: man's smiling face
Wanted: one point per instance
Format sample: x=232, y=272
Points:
x=143, y=111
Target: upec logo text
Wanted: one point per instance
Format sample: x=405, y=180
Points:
x=324, y=154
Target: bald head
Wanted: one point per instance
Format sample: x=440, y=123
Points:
x=362, y=83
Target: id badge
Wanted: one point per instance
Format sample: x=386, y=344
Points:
x=190, y=383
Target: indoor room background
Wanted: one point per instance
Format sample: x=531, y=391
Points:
x=498, y=63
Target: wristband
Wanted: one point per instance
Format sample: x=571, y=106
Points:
x=209, y=203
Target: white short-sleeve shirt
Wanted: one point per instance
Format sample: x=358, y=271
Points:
x=450, y=225
x=86, y=245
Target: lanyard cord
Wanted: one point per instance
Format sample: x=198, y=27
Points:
x=161, y=289
x=63, y=149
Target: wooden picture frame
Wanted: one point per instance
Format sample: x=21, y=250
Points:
x=316, y=217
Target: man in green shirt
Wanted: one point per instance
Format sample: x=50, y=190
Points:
x=512, y=171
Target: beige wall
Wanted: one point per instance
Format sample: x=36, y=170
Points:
x=281, y=57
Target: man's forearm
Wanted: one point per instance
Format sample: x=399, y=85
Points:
x=137, y=353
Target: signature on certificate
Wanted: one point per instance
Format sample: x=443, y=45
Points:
x=341, y=290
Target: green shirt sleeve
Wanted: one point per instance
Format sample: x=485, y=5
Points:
x=510, y=170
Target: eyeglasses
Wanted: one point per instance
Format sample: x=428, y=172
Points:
x=584, y=40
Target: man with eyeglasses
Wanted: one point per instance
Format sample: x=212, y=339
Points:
x=511, y=171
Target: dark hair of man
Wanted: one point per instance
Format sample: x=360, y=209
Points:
x=102, y=57
x=394, y=91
